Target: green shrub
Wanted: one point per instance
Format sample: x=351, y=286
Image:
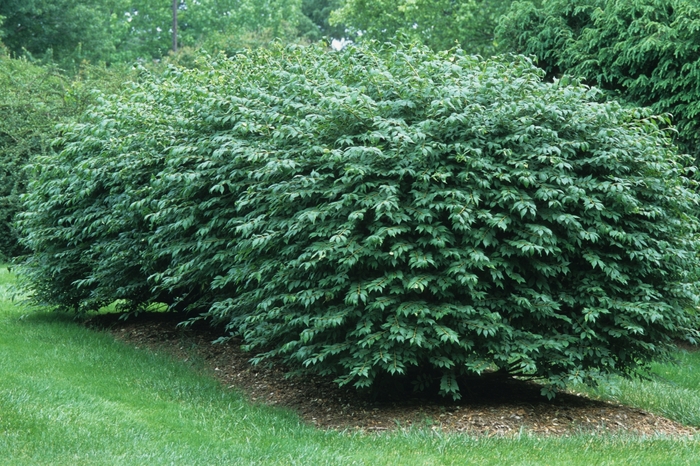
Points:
x=378, y=213
x=646, y=51
x=33, y=100
x=30, y=96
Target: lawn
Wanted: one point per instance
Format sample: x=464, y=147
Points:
x=69, y=395
x=673, y=390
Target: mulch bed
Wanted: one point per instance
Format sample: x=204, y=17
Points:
x=490, y=406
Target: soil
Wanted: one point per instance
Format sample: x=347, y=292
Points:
x=492, y=405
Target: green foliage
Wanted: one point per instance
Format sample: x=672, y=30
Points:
x=378, y=213
x=33, y=99
x=205, y=22
x=72, y=31
x=2, y=33
x=646, y=51
x=317, y=19
x=68, y=30
x=21, y=133
x=437, y=23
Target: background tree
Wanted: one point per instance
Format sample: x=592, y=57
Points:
x=69, y=30
x=127, y=30
x=2, y=34
x=439, y=24
x=316, y=22
x=211, y=23
x=646, y=52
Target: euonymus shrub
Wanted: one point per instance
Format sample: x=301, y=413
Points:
x=645, y=51
x=378, y=213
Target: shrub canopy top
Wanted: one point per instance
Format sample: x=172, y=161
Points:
x=377, y=212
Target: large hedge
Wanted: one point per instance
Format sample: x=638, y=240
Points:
x=646, y=51
x=378, y=213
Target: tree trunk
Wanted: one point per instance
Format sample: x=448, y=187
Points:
x=175, y=5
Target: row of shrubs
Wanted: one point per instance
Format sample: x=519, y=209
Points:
x=380, y=212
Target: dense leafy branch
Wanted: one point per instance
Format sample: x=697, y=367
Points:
x=70, y=32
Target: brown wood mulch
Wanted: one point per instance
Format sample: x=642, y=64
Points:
x=490, y=406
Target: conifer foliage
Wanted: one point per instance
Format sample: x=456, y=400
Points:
x=377, y=212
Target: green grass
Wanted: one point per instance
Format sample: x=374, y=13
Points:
x=72, y=396
x=672, y=392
